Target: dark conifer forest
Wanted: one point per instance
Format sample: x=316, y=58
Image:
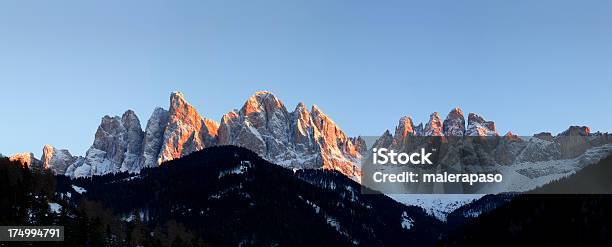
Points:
x=221, y=196
x=541, y=217
x=229, y=196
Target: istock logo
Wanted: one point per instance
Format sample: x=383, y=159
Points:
x=383, y=156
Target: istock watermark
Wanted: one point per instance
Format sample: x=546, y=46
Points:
x=484, y=165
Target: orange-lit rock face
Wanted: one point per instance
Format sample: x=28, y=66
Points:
x=300, y=139
x=404, y=127
x=56, y=160
x=403, y=130
x=121, y=145
x=434, y=126
x=186, y=131
x=47, y=155
x=211, y=126
x=177, y=132
x=334, y=137
x=337, y=150
x=511, y=137
x=25, y=159
x=344, y=166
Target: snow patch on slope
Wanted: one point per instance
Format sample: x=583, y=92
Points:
x=78, y=189
x=55, y=208
x=437, y=205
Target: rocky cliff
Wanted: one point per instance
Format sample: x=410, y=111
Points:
x=297, y=139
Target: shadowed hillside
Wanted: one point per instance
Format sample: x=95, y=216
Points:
x=546, y=219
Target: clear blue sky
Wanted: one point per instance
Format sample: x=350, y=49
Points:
x=530, y=66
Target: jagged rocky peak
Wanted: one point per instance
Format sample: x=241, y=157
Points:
x=337, y=150
x=267, y=113
x=121, y=145
x=302, y=129
x=418, y=129
x=181, y=110
x=47, y=155
x=154, y=137
x=262, y=101
x=478, y=126
x=576, y=131
x=574, y=141
x=385, y=140
x=133, y=142
x=228, y=118
x=301, y=107
x=323, y=122
x=433, y=126
x=302, y=123
x=56, y=160
x=236, y=130
x=403, y=130
x=300, y=139
x=26, y=160
x=109, y=141
x=404, y=127
x=360, y=145
x=331, y=135
x=547, y=136
x=454, y=124
x=509, y=136
x=261, y=125
x=117, y=147
x=186, y=131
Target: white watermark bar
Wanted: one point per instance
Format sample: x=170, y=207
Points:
x=31, y=233
x=487, y=164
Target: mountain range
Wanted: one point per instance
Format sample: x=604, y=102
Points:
x=301, y=139
x=308, y=140
x=230, y=196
